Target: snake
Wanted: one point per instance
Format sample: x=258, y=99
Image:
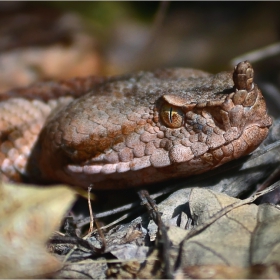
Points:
x=130, y=130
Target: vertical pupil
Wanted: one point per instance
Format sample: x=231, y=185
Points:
x=170, y=114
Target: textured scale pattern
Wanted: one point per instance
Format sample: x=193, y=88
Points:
x=135, y=129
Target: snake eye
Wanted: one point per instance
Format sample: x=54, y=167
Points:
x=172, y=116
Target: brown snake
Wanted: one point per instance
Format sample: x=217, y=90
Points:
x=130, y=130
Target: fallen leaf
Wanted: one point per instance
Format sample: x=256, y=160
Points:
x=243, y=236
x=85, y=269
x=29, y=215
x=227, y=272
x=266, y=238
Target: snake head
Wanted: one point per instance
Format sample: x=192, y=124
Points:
x=152, y=126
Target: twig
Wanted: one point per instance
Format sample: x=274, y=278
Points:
x=90, y=212
x=257, y=55
x=163, y=240
x=271, y=178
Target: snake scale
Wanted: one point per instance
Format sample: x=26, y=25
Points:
x=130, y=130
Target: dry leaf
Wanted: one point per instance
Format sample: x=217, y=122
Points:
x=244, y=236
x=171, y=209
x=131, y=233
x=266, y=238
x=211, y=272
x=124, y=249
x=29, y=215
x=176, y=235
x=229, y=272
x=86, y=269
x=151, y=269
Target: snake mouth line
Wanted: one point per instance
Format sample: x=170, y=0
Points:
x=243, y=146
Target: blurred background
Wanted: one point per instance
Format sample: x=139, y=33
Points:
x=55, y=40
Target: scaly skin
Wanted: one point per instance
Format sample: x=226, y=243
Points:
x=131, y=130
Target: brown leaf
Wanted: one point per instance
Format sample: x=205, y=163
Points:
x=28, y=216
x=211, y=272
x=86, y=269
x=244, y=236
x=227, y=272
x=176, y=234
x=266, y=238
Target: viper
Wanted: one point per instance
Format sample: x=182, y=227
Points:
x=130, y=130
